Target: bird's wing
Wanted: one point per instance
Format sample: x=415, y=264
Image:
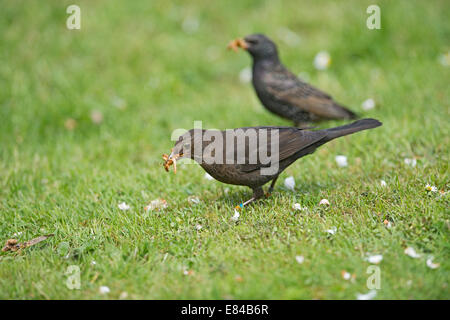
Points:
x=286, y=88
x=289, y=141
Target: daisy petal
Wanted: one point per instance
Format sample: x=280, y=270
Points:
x=375, y=259
x=123, y=206
x=236, y=215
x=369, y=104
x=368, y=296
x=289, y=183
x=156, y=205
x=322, y=60
x=412, y=253
x=300, y=259
x=341, y=161
x=431, y=264
x=104, y=290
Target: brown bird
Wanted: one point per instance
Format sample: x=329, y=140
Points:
x=283, y=93
x=253, y=156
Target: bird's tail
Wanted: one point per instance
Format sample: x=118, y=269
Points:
x=356, y=126
x=344, y=112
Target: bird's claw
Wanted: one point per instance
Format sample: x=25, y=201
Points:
x=269, y=192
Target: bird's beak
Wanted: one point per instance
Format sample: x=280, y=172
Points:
x=238, y=43
x=171, y=160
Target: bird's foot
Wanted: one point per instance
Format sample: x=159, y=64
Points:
x=269, y=192
x=243, y=204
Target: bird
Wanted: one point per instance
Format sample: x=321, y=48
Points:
x=235, y=156
x=282, y=92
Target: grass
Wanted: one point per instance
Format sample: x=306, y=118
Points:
x=133, y=62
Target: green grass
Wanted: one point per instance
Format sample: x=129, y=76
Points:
x=136, y=55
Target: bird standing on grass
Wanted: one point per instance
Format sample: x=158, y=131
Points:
x=283, y=93
x=239, y=169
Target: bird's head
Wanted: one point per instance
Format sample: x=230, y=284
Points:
x=183, y=149
x=258, y=46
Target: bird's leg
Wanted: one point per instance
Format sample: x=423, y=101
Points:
x=257, y=194
x=272, y=185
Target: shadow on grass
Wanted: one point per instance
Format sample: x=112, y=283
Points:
x=235, y=197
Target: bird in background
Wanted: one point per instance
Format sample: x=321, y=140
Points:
x=282, y=92
x=293, y=143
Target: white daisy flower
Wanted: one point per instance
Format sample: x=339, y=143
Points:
x=431, y=188
x=383, y=183
x=322, y=60
x=410, y=162
x=298, y=207
x=156, y=204
x=299, y=259
x=368, y=296
x=324, y=202
x=332, y=230
x=193, y=199
x=368, y=104
x=346, y=275
x=289, y=183
x=236, y=215
x=123, y=206
x=104, y=290
x=341, y=161
x=188, y=272
x=245, y=76
x=412, y=253
x=375, y=259
x=198, y=227
x=93, y=263
x=432, y=265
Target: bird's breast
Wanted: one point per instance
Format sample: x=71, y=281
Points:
x=230, y=174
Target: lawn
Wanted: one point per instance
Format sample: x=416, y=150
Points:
x=86, y=115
